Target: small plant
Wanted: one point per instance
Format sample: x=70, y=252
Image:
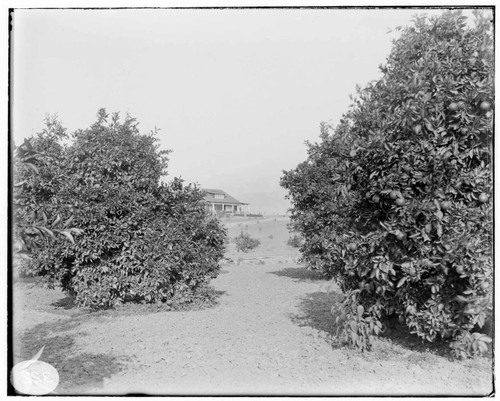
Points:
x=271, y=236
x=356, y=327
x=294, y=241
x=244, y=242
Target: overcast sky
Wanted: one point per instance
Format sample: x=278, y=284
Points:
x=235, y=92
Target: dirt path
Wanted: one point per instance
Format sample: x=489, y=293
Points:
x=268, y=335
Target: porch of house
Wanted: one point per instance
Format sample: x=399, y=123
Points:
x=225, y=208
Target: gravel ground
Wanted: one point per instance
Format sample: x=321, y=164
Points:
x=271, y=333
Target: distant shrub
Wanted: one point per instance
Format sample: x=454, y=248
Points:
x=244, y=242
x=294, y=241
x=271, y=236
x=254, y=215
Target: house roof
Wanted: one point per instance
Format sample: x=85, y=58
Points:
x=228, y=199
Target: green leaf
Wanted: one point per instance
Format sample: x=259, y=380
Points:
x=32, y=167
x=57, y=220
x=486, y=339
x=401, y=282
x=69, y=221
x=360, y=311
x=68, y=235
x=483, y=348
x=439, y=229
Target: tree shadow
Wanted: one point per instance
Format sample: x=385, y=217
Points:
x=399, y=334
x=206, y=297
x=78, y=372
x=300, y=274
x=65, y=303
x=315, y=311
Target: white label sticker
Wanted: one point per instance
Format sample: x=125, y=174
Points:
x=34, y=377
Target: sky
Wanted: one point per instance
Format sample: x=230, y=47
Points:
x=234, y=92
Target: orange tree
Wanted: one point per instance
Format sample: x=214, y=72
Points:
x=137, y=239
x=395, y=202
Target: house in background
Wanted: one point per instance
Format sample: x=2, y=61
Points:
x=219, y=201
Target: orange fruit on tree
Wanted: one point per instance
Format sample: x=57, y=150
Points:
x=483, y=198
x=400, y=235
x=485, y=106
x=446, y=205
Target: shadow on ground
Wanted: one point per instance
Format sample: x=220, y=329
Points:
x=299, y=274
x=65, y=303
x=77, y=371
x=315, y=311
x=399, y=334
x=206, y=297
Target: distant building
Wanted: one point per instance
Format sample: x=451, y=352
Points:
x=219, y=201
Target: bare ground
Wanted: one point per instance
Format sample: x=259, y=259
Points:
x=271, y=332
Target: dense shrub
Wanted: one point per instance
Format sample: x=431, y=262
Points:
x=244, y=242
x=140, y=240
x=395, y=202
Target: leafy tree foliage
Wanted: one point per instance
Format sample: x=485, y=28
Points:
x=139, y=239
x=36, y=184
x=395, y=202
